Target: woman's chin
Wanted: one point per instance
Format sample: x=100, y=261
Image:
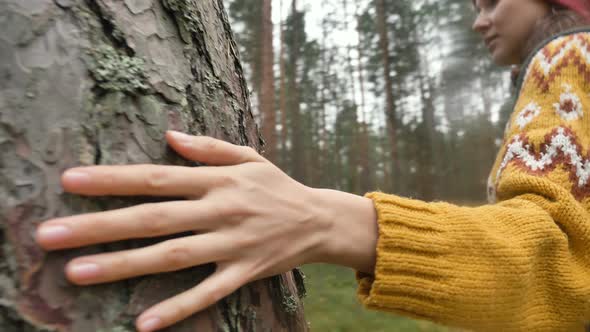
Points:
x=502, y=59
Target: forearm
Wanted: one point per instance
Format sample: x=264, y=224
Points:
x=351, y=238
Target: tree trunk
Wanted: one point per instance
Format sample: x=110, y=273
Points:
x=355, y=158
x=297, y=140
x=367, y=171
x=283, y=94
x=388, y=85
x=325, y=173
x=267, y=84
x=99, y=82
x=426, y=144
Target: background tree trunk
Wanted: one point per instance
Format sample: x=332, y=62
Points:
x=267, y=84
x=283, y=92
x=298, y=158
x=390, y=107
x=99, y=82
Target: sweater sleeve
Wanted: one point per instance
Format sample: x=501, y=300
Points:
x=522, y=262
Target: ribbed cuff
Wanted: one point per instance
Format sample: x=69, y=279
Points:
x=480, y=268
x=412, y=275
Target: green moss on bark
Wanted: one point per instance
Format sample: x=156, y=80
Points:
x=116, y=72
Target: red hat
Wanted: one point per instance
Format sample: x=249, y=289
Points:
x=581, y=7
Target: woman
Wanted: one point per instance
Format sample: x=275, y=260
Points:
x=522, y=263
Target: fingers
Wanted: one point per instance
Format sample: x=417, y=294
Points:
x=157, y=180
x=171, y=255
x=134, y=180
x=141, y=221
x=211, y=151
x=217, y=286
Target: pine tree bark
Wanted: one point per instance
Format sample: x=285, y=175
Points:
x=99, y=82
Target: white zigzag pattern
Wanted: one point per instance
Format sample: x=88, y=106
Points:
x=548, y=64
x=561, y=141
x=531, y=111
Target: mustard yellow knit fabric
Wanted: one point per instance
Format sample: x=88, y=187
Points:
x=522, y=262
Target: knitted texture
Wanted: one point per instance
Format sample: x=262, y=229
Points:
x=522, y=262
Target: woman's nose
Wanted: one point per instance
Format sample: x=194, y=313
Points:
x=482, y=23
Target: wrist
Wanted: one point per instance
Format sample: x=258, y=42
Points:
x=350, y=232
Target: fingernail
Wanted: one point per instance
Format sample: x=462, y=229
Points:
x=85, y=270
x=180, y=137
x=149, y=324
x=76, y=176
x=53, y=233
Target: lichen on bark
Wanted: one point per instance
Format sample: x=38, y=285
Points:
x=114, y=71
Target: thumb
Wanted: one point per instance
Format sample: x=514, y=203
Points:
x=211, y=151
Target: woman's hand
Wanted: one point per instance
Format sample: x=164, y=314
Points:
x=249, y=218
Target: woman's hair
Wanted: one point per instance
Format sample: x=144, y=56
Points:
x=560, y=20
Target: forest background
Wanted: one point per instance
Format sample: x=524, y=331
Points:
x=364, y=95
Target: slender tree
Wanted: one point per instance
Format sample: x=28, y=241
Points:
x=390, y=107
x=355, y=154
x=323, y=148
x=293, y=97
x=367, y=172
x=267, y=84
x=283, y=93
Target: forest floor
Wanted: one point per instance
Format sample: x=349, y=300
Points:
x=331, y=305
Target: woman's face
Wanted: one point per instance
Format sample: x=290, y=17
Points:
x=505, y=26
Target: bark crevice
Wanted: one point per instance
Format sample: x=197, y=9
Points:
x=109, y=28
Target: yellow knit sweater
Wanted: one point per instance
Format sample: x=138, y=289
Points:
x=522, y=262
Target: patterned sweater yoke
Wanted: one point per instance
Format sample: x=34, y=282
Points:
x=521, y=262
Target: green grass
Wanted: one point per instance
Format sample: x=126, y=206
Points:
x=331, y=305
